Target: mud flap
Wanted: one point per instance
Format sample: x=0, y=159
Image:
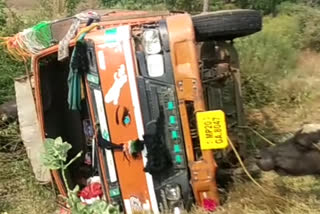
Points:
x=30, y=128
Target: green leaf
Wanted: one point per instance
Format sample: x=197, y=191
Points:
x=113, y=209
x=99, y=207
x=55, y=151
x=54, y=157
x=73, y=196
x=51, y=162
x=81, y=207
x=58, y=140
x=76, y=189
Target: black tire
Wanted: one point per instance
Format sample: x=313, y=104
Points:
x=226, y=24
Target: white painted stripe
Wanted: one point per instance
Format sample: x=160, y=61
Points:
x=127, y=206
x=104, y=128
x=125, y=30
x=132, y=83
x=93, y=151
x=102, y=62
x=149, y=179
x=111, y=166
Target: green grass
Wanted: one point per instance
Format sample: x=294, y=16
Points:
x=20, y=193
x=269, y=59
x=281, y=195
x=9, y=70
x=271, y=75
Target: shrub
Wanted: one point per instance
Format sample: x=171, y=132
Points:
x=309, y=22
x=10, y=24
x=188, y=5
x=9, y=70
x=267, y=57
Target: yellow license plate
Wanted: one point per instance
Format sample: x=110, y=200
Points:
x=212, y=130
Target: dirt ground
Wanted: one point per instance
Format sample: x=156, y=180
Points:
x=22, y=4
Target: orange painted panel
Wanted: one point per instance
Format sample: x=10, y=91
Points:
x=118, y=103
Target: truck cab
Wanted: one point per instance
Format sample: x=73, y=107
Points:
x=158, y=96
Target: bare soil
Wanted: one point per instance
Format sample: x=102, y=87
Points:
x=22, y=4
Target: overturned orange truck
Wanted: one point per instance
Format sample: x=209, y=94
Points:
x=158, y=94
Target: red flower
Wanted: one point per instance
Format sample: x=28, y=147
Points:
x=209, y=205
x=91, y=191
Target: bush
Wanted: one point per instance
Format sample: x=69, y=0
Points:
x=309, y=22
x=9, y=70
x=10, y=24
x=187, y=5
x=267, y=57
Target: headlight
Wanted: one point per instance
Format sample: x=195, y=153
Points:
x=151, y=41
x=155, y=65
x=173, y=192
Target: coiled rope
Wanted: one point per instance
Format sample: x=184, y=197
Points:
x=30, y=41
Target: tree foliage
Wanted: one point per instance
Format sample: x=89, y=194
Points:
x=188, y=5
x=71, y=6
x=3, y=16
x=267, y=6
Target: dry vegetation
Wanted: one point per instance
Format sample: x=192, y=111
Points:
x=306, y=82
x=21, y=4
x=19, y=191
x=283, y=195
x=21, y=194
x=280, y=196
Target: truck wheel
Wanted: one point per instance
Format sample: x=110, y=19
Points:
x=226, y=24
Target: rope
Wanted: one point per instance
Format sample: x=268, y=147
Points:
x=265, y=191
x=316, y=146
x=15, y=48
x=33, y=40
x=242, y=164
x=29, y=41
x=86, y=30
x=258, y=134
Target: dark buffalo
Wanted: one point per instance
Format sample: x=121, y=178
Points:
x=298, y=156
x=8, y=110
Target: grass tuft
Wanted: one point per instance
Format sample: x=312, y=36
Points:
x=20, y=193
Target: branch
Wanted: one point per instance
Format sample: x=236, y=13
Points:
x=205, y=6
x=73, y=160
x=65, y=167
x=65, y=180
